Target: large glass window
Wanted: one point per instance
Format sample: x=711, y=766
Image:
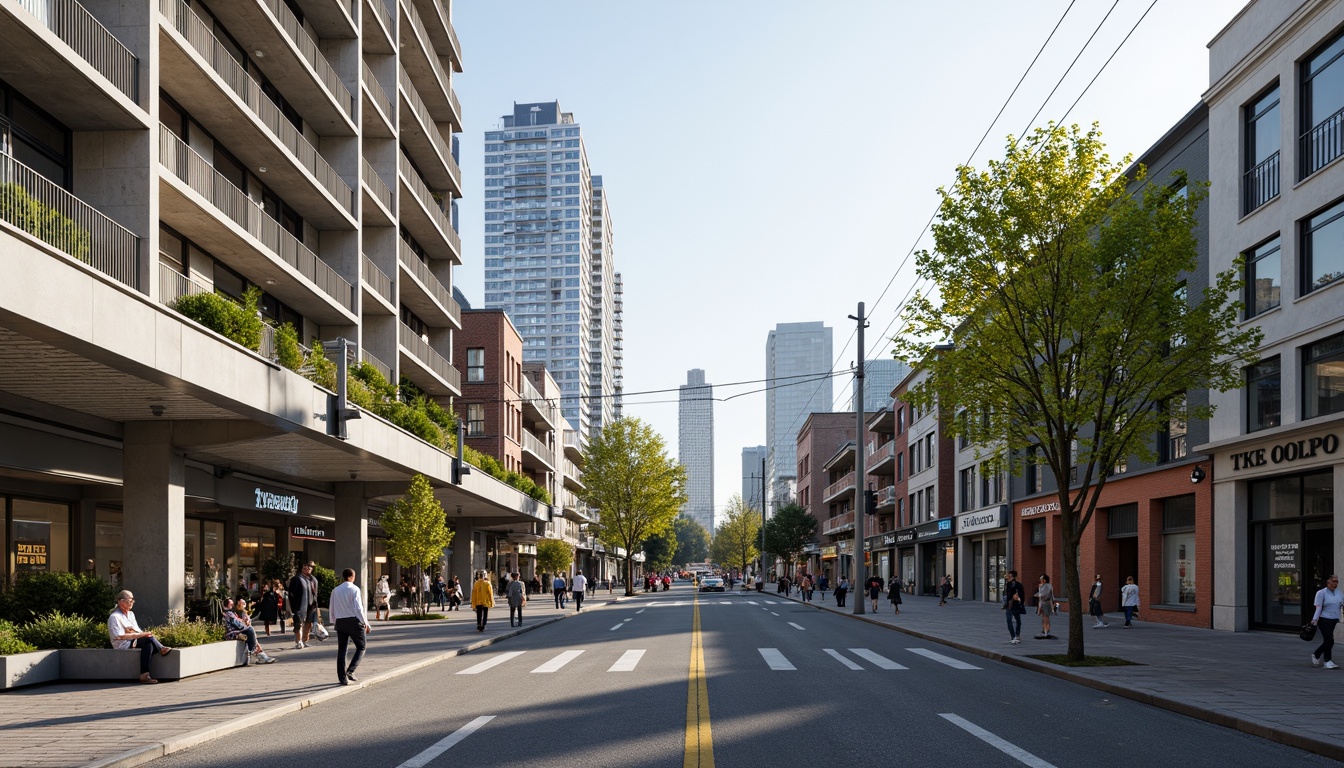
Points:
x=1323, y=377
x=1323, y=248
x=1292, y=542
x=255, y=546
x=40, y=536
x=1322, y=121
x=1263, y=274
x=108, y=553
x=34, y=138
x=1178, y=550
x=1263, y=395
x=1262, y=137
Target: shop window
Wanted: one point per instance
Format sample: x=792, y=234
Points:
x=1038, y=533
x=1178, y=550
x=40, y=536
x=1263, y=395
x=1323, y=377
x=1122, y=522
x=255, y=546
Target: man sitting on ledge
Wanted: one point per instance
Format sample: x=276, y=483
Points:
x=125, y=634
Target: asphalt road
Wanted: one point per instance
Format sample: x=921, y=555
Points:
x=787, y=686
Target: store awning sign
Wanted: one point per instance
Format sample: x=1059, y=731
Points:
x=981, y=521
x=276, y=502
x=309, y=532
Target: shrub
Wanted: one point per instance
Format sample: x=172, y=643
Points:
x=59, y=630
x=414, y=421
x=327, y=580
x=319, y=369
x=43, y=222
x=221, y=314
x=181, y=632
x=372, y=378
x=288, y=352
x=83, y=595
x=10, y=642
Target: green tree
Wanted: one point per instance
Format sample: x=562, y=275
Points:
x=554, y=556
x=634, y=486
x=692, y=540
x=417, y=531
x=660, y=550
x=789, y=531
x=1072, y=330
x=737, y=539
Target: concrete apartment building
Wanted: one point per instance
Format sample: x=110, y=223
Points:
x=797, y=363
x=304, y=148
x=695, y=447
x=753, y=457
x=885, y=463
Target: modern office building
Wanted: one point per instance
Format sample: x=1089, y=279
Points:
x=695, y=447
x=880, y=377
x=549, y=258
x=164, y=155
x=752, y=458
x=797, y=370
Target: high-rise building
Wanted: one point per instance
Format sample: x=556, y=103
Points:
x=752, y=456
x=695, y=447
x=797, y=368
x=548, y=256
x=880, y=377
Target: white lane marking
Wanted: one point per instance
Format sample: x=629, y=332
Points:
x=556, y=663
x=441, y=746
x=770, y=602
x=941, y=659
x=641, y=610
x=653, y=603
x=882, y=662
x=752, y=602
x=618, y=626
x=488, y=663
x=795, y=626
x=1016, y=752
x=772, y=613
x=632, y=618
x=725, y=602
x=836, y=655
x=627, y=661
x=776, y=659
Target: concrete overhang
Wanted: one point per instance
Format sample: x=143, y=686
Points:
x=844, y=457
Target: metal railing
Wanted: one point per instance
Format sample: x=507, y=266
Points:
x=845, y=483
x=427, y=48
x=1322, y=143
x=1261, y=184
x=183, y=162
x=326, y=74
x=886, y=497
x=420, y=349
x=421, y=271
x=572, y=440
x=77, y=28
x=426, y=198
x=878, y=454
x=200, y=37
x=427, y=124
x=379, y=365
x=31, y=202
x=379, y=93
x=572, y=471
x=377, y=279
x=377, y=186
x=837, y=523
x=173, y=285
x=532, y=443
x=385, y=14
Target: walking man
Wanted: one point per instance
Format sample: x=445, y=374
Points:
x=517, y=599
x=1015, y=604
x=580, y=585
x=303, y=604
x=1094, y=604
x=482, y=600
x=347, y=610
x=558, y=585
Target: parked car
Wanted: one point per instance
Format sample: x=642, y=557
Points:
x=711, y=584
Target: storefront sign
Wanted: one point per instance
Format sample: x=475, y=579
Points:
x=888, y=539
x=306, y=532
x=1296, y=450
x=905, y=536
x=274, y=501
x=1283, y=556
x=981, y=521
x=938, y=529
x=1039, y=509
x=249, y=494
x=828, y=553
x=30, y=556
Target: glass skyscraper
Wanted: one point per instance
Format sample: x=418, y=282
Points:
x=695, y=447
x=797, y=368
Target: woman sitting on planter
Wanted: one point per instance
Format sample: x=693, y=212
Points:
x=238, y=627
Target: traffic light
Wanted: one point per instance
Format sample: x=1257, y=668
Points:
x=870, y=502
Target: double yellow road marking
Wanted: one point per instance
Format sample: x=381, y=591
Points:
x=699, y=740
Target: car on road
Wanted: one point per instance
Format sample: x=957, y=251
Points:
x=711, y=584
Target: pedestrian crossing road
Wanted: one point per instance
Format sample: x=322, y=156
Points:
x=774, y=660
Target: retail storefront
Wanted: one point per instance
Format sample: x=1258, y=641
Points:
x=982, y=537
x=932, y=556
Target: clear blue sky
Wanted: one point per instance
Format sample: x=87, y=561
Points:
x=771, y=161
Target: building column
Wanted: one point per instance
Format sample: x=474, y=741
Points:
x=352, y=533
x=1231, y=587
x=153, y=524
x=464, y=540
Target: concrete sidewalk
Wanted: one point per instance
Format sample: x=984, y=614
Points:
x=123, y=724
x=1261, y=683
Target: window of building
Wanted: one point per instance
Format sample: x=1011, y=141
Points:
x=1263, y=273
x=1172, y=440
x=39, y=536
x=900, y=419
x=991, y=489
x=963, y=424
x=1260, y=180
x=1034, y=471
x=900, y=465
x=900, y=513
x=475, y=420
x=1178, y=550
x=1263, y=395
x=966, y=484
x=1322, y=123
x=1323, y=248
x=1323, y=377
x=1122, y=522
x=1038, y=533
x=34, y=138
x=476, y=364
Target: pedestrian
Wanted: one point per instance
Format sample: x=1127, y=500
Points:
x=592, y=587
x=517, y=594
x=579, y=585
x=268, y=608
x=874, y=586
x=823, y=584
x=760, y=583
x=782, y=586
x=841, y=590
x=125, y=633
x=424, y=585
x=534, y=586
x=404, y=590
x=237, y=625
x=352, y=624
x=1129, y=600
x=1045, y=606
x=558, y=586
x=894, y=594
x=945, y=589
x=382, y=599
x=439, y=591
x=455, y=594
x=1014, y=604
x=482, y=600
x=1328, y=601
x=805, y=588
x=303, y=604
x=1094, y=604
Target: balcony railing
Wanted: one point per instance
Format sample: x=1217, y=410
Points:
x=1261, y=183
x=535, y=445
x=843, y=484
x=290, y=25
x=428, y=125
x=31, y=202
x=77, y=28
x=381, y=367
x=837, y=523
x=377, y=279
x=421, y=271
x=572, y=471
x=426, y=199
x=886, y=497
x=1323, y=143
x=203, y=40
x=379, y=94
x=173, y=285
x=880, y=453
x=183, y=162
x=427, y=47
x=377, y=185
x=426, y=354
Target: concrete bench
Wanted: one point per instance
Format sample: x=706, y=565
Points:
x=108, y=664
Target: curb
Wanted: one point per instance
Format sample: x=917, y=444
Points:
x=1279, y=735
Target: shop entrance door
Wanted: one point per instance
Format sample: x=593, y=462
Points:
x=1318, y=548
x=977, y=571
x=1127, y=551
x=929, y=584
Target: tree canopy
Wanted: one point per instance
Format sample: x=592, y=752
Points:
x=737, y=539
x=554, y=556
x=789, y=531
x=1067, y=322
x=659, y=550
x=417, y=531
x=633, y=484
x=692, y=541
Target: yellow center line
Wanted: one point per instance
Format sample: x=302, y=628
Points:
x=699, y=741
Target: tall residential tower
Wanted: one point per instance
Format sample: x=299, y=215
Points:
x=695, y=447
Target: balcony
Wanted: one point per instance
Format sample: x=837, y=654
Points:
x=424, y=218
x=1260, y=184
x=840, y=488
x=575, y=445
x=205, y=78
x=536, y=410
x=1322, y=144
x=199, y=202
x=886, y=498
x=573, y=476
x=425, y=367
x=173, y=285
x=838, y=524
x=80, y=72
x=423, y=293
x=378, y=206
x=379, y=118
x=30, y=202
x=422, y=137
x=882, y=458
x=380, y=285
x=537, y=456
x=379, y=29
x=441, y=33
x=422, y=62
x=379, y=366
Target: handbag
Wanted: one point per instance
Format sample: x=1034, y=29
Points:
x=1308, y=632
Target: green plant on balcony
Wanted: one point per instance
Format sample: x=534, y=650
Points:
x=236, y=321
x=44, y=222
x=288, y=352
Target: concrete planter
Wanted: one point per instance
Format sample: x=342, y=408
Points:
x=106, y=664
x=20, y=669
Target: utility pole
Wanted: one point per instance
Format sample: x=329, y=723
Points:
x=762, y=571
x=860, y=486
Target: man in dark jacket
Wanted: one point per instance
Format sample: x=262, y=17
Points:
x=303, y=604
x=1015, y=604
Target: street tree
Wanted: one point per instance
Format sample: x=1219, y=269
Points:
x=417, y=532
x=1067, y=319
x=692, y=540
x=634, y=486
x=554, y=556
x=789, y=531
x=736, y=540
x=659, y=550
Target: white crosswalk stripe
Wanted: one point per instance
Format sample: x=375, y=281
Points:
x=488, y=663
x=627, y=661
x=556, y=663
x=797, y=626
x=776, y=659
x=941, y=659
x=881, y=662
x=838, y=657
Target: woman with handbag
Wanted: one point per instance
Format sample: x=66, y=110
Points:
x=1328, y=601
x=1045, y=605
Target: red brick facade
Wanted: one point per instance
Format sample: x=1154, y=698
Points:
x=496, y=393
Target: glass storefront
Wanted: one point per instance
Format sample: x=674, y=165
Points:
x=204, y=561
x=1292, y=546
x=256, y=545
x=108, y=553
x=39, y=536
x=1178, y=550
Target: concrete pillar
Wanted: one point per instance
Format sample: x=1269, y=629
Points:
x=1231, y=599
x=153, y=526
x=463, y=553
x=352, y=533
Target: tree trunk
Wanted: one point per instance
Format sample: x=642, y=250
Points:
x=629, y=572
x=1075, y=591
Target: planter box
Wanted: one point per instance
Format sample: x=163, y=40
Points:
x=107, y=664
x=29, y=668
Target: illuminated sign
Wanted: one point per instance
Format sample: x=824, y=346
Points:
x=268, y=500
